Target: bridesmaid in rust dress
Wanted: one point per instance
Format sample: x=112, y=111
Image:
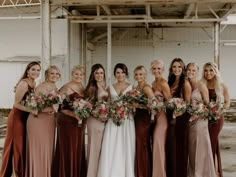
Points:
x=162, y=92
x=217, y=92
x=41, y=131
x=177, y=133
x=95, y=91
x=69, y=160
x=142, y=118
x=13, y=157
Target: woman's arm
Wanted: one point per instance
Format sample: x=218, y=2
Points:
x=147, y=90
x=187, y=91
x=204, y=92
x=226, y=97
x=21, y=90
x=166, y=91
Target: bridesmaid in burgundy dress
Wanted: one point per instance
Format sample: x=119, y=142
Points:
x=217, y=92
x=161, y=90
x=142, y=118
x=13, y=157
x=69, y=160
x=177, y=133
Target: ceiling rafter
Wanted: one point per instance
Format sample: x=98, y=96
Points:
x=19, y=3
x=189, y=10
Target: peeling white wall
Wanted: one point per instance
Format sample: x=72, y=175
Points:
x=190, y=44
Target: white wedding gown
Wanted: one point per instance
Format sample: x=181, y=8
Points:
x=118, y=146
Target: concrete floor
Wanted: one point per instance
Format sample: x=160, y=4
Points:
x=227, y=144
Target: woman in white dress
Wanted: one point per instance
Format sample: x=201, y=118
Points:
x=118, y=146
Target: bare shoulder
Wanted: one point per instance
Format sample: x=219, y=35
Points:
x=22, y=85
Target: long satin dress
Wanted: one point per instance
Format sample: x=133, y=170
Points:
x=95, y=137
x=177, y=144
x=200, y=156
x=143, y=154
x=118, y=146
x=214, y=131
x=13, y=156
x=69, y=160
x=159, y=142
x=40, y=144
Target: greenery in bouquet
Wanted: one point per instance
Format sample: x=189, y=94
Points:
x=119, y=111
x=216, y=110
x=33, y=102
x=101, y=110
x=198, y=110
x=177, y=105
x=82, y=108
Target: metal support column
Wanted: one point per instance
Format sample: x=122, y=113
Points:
x=217, y=44
x=45, y=34
x=109, y=44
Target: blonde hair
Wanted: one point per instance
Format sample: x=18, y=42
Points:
x=193, y=64
x=51, y=67
x=155, y=62
x=141, y=68
x=218, y=80
x=78, y=67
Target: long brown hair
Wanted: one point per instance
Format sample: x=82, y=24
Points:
x=171, y=78
x=25, y=74
x=91, y=90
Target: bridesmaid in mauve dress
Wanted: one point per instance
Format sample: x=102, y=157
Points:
x=217, y=92
x=13, y=156
x=41, y=130
x=142, y=118
x=69, y=160
x=177, y=133
x=200, y=156
x=162, y=92
x=95, y=91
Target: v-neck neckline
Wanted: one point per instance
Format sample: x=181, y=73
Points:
x=121, y=91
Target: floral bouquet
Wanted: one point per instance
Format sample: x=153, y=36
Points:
x=33, y=102
x=82, y=109
x=197, y=109
x=135, y=96
x=119, y=110
x=177, y=105
x=52, y=99
x=101, y=110
x=216, y=110
x=155, y=106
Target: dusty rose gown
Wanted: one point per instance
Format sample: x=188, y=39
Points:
x=214, y=131
x=95, y=137
x=13, y=157
x=40, y=144
x=159, y=142
x=200, y=156
x=69, y=160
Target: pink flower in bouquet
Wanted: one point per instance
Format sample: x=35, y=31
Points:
x=216, y=110
x=101, y=110
x=118, y=111
x=82, y=109
x=177, y=105
x=197, y=109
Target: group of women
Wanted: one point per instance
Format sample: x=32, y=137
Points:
x=139, y=147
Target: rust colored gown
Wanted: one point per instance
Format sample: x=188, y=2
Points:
x=13, y=157
x=214, y=131
x=69, y=160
